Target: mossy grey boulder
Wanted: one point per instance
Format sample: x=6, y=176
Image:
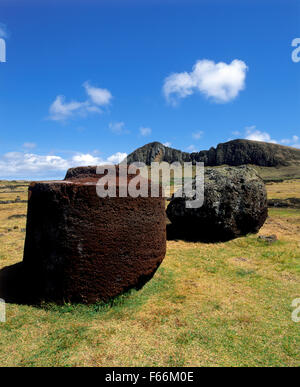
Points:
x=235, y=204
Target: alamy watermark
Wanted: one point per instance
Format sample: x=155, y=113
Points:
x=2, y=311
x=296, y=51
x=296, y=312
x=2, y=50
x=187, y=180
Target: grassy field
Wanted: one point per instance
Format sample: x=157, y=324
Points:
x=284, y=190
x=278, y=174
x=225, y=304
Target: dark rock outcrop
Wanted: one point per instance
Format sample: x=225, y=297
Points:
x=81, y=172
x=235, y=204
x=155, y=151
x=236, y=152
x=269, y=239
x=284, y=203
x=83, y=248
x=17, y=200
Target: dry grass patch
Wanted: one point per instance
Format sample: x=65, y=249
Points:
x=224, y=304
x=283, y=190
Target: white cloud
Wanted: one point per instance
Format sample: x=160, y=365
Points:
x=256, y=135
x=86, y=159
x=168, y=144
x=61, y=110
x=118, y=127
x=221, y=82
x=18, y=164
x=27, y=166
x=191, y=148
x=99, y=96
x=145, y=131
x=116, y=158
x=198, y=135
x=252, y=133
x=3, y=31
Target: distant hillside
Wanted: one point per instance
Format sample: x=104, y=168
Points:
x=236, y=152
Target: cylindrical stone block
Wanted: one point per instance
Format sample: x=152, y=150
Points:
x=83, y=248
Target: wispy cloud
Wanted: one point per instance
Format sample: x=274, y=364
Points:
x=168, y=144
x=60, y=110
x=191, y=148
x=29, y=145
x=118, y=127
x=220, y=82
x=100, y=97
x=294, y=141
x=252, y=133
x=198, y=135
x=3, y=31
x=145, y=131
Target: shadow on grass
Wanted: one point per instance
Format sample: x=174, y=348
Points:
x=191, y=234
x=128, y=302
x=14, y=288
x=17, y=288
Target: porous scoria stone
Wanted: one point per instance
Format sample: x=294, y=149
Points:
x=235, y=204
x=83, y=248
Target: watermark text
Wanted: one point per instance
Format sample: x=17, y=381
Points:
x=2, y=311
x=296, y=312
x=296, y=51
x=185, y=180
x=2, y=50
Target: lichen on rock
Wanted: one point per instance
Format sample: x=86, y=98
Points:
x=235, y=204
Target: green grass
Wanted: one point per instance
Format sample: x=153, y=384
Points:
x=279, y=174
x=224, y=304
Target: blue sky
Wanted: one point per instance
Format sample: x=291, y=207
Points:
x=86, y=82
